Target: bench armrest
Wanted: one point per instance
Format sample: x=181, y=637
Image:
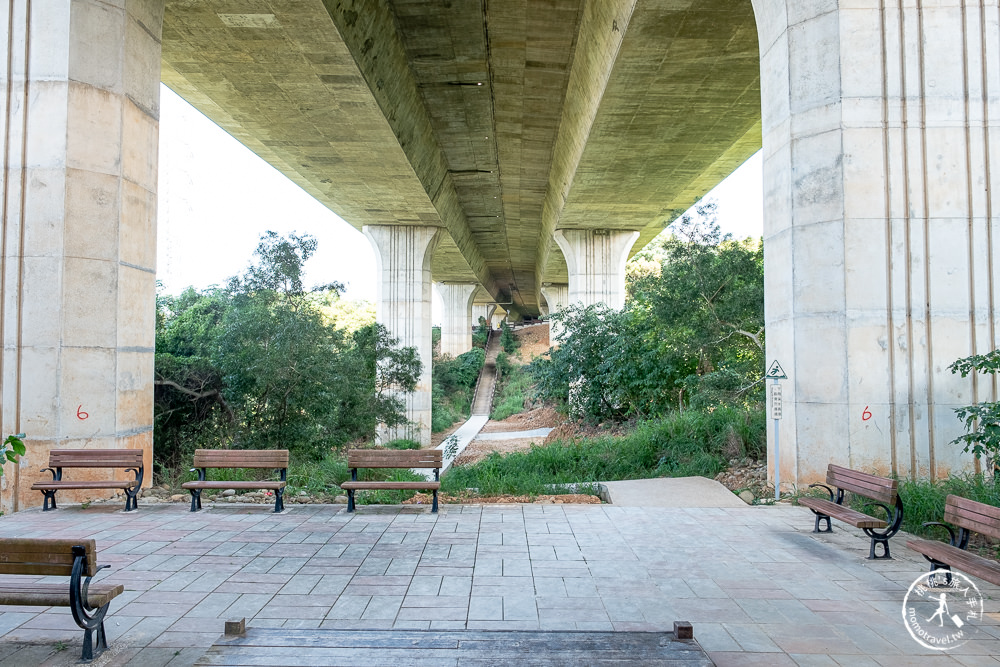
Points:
x=139, y=473
x=951, y=533
x=824, y=486
x=960, y=541
x=56, y=474
x=202, y=472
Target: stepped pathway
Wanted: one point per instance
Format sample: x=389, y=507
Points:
x=483, y=402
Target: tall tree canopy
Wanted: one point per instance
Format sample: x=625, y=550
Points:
x=259, y=365
x=691, y=332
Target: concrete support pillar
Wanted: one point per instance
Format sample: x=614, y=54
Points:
x=556, y=298
x=880, y=125
x=80, y=85
x=403, y=263
x=456, y=327
x=596, y=260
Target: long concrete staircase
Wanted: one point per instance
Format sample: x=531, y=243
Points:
x=482, y=402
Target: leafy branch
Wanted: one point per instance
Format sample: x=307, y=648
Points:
x=12, y=447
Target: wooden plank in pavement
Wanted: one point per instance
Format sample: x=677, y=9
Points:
x=294, y=647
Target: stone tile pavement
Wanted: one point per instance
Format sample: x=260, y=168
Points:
x=757, y=585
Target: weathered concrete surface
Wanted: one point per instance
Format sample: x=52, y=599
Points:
x=403, y=306
x=80, y=89
x=500, y=121
x=880, y=227
x=671, y=492
x=456, y=325
x=595, y=261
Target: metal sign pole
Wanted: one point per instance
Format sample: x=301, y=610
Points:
x=776, y=372
x=777, y=447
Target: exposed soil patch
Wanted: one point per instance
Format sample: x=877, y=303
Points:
x=564, y=499
x=480, y=449
x=543, y=417
x=534, y=341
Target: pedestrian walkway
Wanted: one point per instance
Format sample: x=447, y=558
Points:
x=757, y=585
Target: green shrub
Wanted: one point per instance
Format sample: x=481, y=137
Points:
x=508, y=341
x=454, y=381
x=512, y=392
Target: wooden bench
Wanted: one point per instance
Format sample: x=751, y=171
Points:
x=968, y=516
x=881, y=490
x=392, y=458
x=128, y=459
x=238, y=458
x=76, y=559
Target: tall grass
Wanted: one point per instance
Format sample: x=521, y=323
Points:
x=923, y=500
x=687, y=444
x=514, y=388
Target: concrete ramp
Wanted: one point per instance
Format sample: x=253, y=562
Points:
x=671, y=492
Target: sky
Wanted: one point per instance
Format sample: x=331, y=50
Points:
x=216, y=198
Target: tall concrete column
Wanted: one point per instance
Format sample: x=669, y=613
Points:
x=456, y=327
x=80, y=85
x=403, y=264
x=556, y=298
x=881, y=140
x=595, y=260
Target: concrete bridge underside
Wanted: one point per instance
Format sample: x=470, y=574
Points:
x=524, y=149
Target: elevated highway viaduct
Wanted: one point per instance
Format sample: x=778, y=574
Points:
x=517, y=152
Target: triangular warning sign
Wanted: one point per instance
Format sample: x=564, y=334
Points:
x=775, y=371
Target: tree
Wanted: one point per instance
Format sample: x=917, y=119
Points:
x=981, y=421
x=709, y=302
x=259, y=365
x=691, y=332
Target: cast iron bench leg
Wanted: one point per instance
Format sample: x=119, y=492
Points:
x=195, y=499
x=822, y=517
x=132, y=499
x=50, y=500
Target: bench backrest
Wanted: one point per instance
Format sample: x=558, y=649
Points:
x=972, y=515
x=44, y=556
x=241, y=458
x=879, y=489
x=394, y=458
x=95, y=458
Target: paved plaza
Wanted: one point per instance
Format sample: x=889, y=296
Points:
x=758, y=586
